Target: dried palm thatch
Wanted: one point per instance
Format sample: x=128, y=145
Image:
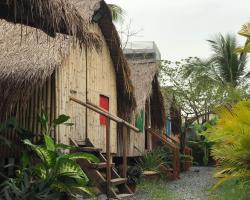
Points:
x=27, y=62
x=157, y=108
x=146, y=86
x=57, y=16
x=126, y=100
x=175, y=114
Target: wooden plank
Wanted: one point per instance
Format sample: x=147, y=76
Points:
x=118, y=181
x=125, y=151
x=108, y=156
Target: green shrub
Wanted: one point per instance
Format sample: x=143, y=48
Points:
x=231, y=137
x=152, y=160
x=52, y=172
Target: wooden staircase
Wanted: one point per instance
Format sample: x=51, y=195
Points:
x=173, y=172
x=97, y=172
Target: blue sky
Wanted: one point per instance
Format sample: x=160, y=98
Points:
x=180, y=28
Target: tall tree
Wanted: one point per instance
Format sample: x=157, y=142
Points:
x=229, y=66
x=196, y=94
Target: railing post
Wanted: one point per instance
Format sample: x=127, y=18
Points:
x=125, y=150
x=108, y=156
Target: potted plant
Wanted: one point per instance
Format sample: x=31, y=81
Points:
x=134, y=175
x=150, y=164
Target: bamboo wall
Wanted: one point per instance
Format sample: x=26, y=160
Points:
x=85, y=75
x=43, y=98
x=71, y=81
x=101, y=81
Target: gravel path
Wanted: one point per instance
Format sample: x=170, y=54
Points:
x=192, y=185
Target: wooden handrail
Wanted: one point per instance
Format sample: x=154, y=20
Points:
x=158, y=135
x=105, y=113
x=125, y=128
x=174, y=144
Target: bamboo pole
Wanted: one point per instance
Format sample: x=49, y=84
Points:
x=125, y=151
x=108, y=156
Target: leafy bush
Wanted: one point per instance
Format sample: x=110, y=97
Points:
x=200, y=145
x=52, y=172
x=152, y=160
x=231, y=137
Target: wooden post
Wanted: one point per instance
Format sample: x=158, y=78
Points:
x=125, y=150
x=108, y=156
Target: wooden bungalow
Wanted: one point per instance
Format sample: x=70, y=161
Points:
x=150, y=112
x=64, y=57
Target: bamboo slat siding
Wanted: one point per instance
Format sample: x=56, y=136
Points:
x=101, y=81
x=43, y=98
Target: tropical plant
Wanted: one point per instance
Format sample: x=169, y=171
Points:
x=152, y=160
x=245, y=31
x=231, y=137
x=24, y=188
x=50, y=167
x=195, y=92
x=230, y=67
x=199, y=143
x=117, y=12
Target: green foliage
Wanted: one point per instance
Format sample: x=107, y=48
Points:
x=52, y=172
x=229, y=66
x=231, y=137
x=152, y=160
x=232, y=190
x=199, y=143
x=24, y=188
x=134, y=175
x=156, y=190
x=195, y=91
x=117, y=12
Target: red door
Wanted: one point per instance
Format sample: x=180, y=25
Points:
x=104, y=103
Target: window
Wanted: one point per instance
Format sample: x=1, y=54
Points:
x=104, y=103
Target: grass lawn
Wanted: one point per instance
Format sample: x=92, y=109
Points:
x=232, y=191
x=155, y=190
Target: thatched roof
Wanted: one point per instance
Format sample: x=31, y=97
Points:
x=57, y=16
x=146, y=86
x=29, y=55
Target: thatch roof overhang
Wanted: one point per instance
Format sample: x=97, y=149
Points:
x=144, y=77
x=29, y=55
x=125, y=91
x=52, y=17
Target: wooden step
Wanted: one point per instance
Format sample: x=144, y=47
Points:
x=124, y=196
x=81, y=143
x=100, y=165
x=89, y=149
x=118, y=181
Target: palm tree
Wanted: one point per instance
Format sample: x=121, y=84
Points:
x=117, y=12
x=229, y=66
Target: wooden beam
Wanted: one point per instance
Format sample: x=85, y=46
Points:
x=105, y=113
x=125, y=151
x=108, y=157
